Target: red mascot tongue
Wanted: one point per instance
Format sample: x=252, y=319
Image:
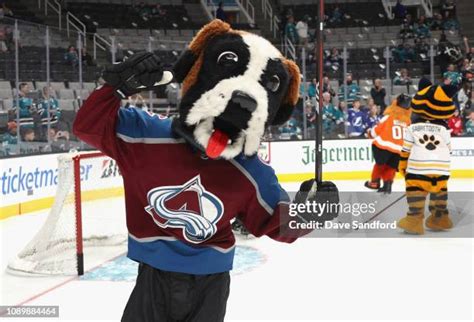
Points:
x=217, y=143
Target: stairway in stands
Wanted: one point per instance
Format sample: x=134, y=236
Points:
x=465, y=13
x=264, y=22
x=196, y=11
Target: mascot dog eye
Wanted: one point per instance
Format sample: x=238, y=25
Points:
x=235, y=84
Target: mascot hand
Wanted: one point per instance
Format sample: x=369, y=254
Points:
x=142, y=71
x=325, y=192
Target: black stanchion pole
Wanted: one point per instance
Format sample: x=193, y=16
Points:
x=319, y=119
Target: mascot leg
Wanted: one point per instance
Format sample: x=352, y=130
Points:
x=416, y=197
x=169, y=296
x=374, y=182
x=439, y=219
x=387, y=176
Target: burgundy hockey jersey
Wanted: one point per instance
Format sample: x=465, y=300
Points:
x=178, y=203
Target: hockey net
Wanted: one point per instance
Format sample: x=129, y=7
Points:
x=72, y=225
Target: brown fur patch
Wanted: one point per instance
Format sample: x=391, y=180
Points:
x=295, y=79
x=197, y=45
x=192, y=76
x=212, y=29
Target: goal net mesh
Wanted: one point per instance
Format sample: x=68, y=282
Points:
x=53, y=250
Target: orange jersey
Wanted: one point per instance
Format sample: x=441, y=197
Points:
x=388, y=134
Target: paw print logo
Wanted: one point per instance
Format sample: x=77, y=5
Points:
x=429, y=141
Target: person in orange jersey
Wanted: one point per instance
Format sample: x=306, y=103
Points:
x=387, y=143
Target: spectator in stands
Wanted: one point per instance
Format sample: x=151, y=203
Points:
x=25, y=106
x=463, y=97
x=327, y=88
x=310, y=112
x=448, y=6
x=469, y=50
x=466, y=66
x=87, y=59
x=332, y=117
x=403, y=53
x=302, y=30
x=450, y=22
x=407, y=29
x=447, y=53
x=28, y=135
x=160, y=12
x=173, y=93
x=455, y=124
x=48, y=101
x=3, y=40
x=220, y=13
x=290, y=30
x=422, y=29
x=469, y=127
x=334, y=60
x=9, y=41
x=289, y=130
x=352, y=89
x=378, y=94
x=336, y=15
x=451, y=76
x=303, y=89
x=422, y=49
x=143, y=10
x=71, y=57
x=400, y=11
x=136, y=101
x=313, y=88
x=356, y=120
x=374, y=115
x=10, y=136
x=55, y=136
x=437, y=22
x=5, y=11
x=402, y=78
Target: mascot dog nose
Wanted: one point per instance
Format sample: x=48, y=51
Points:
x=245, y=101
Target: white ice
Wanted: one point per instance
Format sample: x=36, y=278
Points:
x=311, y=279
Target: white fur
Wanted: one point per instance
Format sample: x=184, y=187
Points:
x=213, y=102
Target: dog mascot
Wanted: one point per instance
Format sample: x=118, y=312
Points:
x=387, y=144
x=425, y=158
x=185, y=179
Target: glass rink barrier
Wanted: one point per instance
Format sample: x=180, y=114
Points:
x=48, y=71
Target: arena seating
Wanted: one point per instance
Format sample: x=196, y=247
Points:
x=357, y=14
x=114, y=15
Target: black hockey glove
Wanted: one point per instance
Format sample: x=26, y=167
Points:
x=142, y=71
x=325, y=194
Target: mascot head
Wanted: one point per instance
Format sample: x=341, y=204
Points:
x=400, y=108
x=235, y=84
x=433, y=102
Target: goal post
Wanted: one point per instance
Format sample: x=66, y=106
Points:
x=78, y=206
x=73, y=223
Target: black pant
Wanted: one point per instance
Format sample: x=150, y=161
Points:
x=177, y=297
x=385, y=157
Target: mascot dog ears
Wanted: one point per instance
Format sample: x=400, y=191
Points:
x=234, y=84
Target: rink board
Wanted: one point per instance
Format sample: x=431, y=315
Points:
x=29, y=183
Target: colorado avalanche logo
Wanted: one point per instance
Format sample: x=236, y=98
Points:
x=189, y=207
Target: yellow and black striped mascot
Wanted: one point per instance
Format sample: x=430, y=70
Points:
x=425, y=158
